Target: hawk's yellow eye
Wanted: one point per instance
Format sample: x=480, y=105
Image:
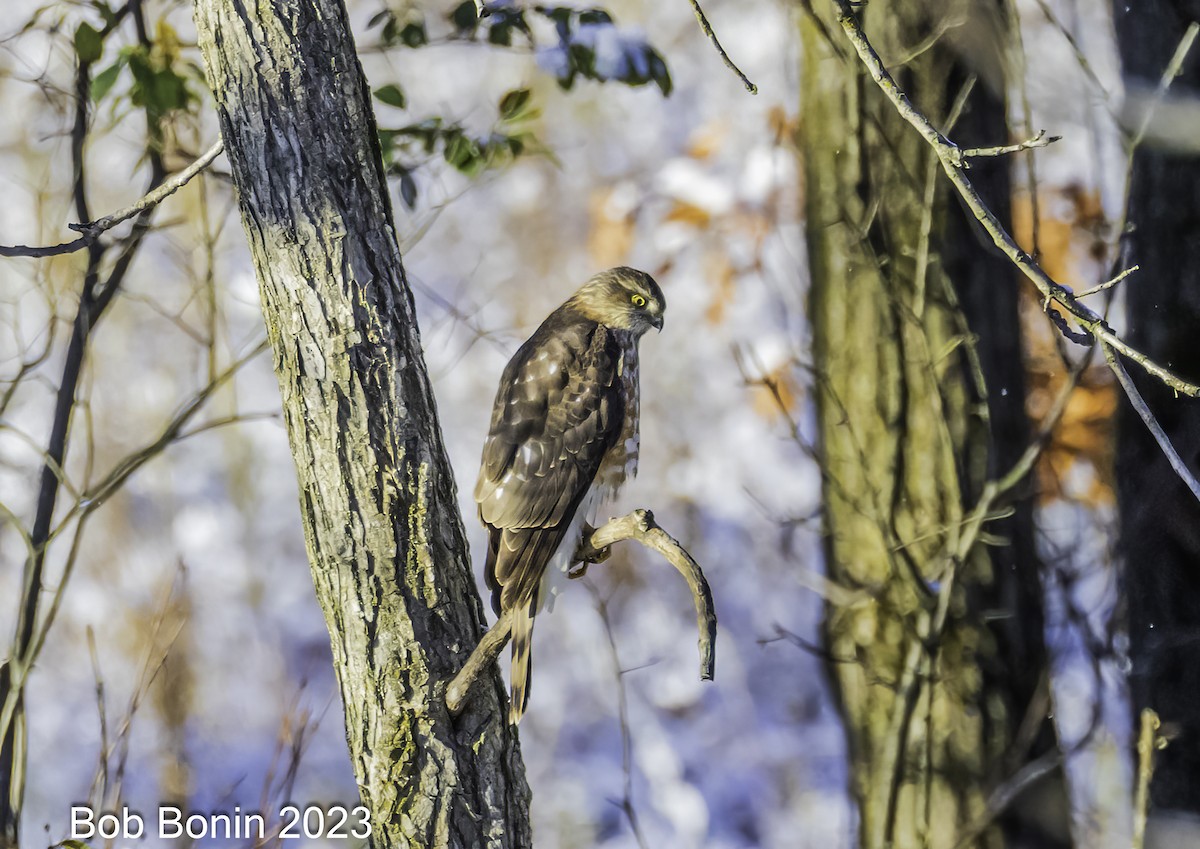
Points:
x=638, y=301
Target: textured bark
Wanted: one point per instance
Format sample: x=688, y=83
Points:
x=903, y=349
x=1160, y=520
x=385, y=541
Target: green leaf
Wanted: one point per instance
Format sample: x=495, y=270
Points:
x=461, y=152
x=380, y=17
x=103, y=82
x=561, y=15
x=89, y=44
x=465, y=17
x=500, y=34
x=582, y=58
x=387, y=146
x=168, y=91
x=408, y=189
x=414, y=35
x=514, y=103
x=515, y=144
x=158, y=89
x=392, y=95
x=660, y=74
x=455, y=150
x=595, y=16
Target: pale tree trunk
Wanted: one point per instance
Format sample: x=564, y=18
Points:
x=385, y=540
x=911, y=317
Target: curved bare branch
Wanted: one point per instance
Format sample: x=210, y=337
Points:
x=641, y=527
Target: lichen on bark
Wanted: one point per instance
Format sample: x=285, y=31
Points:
x=904, y=341
x=385, y=542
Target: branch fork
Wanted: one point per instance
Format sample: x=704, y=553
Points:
x=951, y=158
x=90, y=231
x=595, y=547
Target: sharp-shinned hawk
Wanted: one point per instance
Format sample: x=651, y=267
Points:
x=564, y=433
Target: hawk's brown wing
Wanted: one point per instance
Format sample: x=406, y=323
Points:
x=559, y=408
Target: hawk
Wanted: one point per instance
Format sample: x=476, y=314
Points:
x=563, y=435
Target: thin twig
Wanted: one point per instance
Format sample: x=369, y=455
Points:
x=90, y=231
x=712, y=36
x=921, y=274
x=158, y=195
x=1040, y=140
x=153, y=663
x=97, y=494
x=1018, y=71
x=1024, y=464
x=20, y=663
x=640, y=526
x=1108, y=284
x=99, y=789
x=626, y=804
x=296, y=731
x=917, y=661
x=28, y=366
x=1160, y=436
x=1164, y=84
x=1148, y=741
x=783, y=634
x=1004, y=795
x=1077, y=49
x=919, y=657
x=1168, y=76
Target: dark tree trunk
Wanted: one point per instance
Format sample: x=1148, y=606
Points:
x=1160, y=519
x=920, y=398
x=385, y=541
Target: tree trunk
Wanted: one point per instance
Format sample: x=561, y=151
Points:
x=385, y=541
x=1160, y=520
x=911, y=317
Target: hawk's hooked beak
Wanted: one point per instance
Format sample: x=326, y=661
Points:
x=656, y=322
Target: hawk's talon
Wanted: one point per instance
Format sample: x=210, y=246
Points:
x=586, y=554
x=587, y=557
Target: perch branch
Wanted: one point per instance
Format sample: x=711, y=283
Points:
x=640, y=526
x=92, y=230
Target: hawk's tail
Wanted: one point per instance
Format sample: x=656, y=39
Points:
x=521, y=670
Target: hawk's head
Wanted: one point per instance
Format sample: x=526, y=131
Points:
x=623, y=298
